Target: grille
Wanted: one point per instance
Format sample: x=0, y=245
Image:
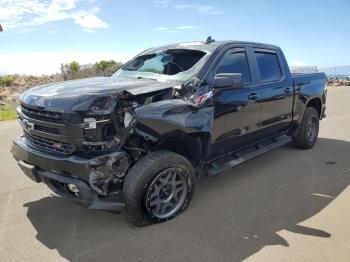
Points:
x=47, y=129
x=49, y=145
x=41, y=114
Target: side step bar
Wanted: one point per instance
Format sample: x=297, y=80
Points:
x=218, y=166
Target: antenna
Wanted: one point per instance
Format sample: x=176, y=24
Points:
x=209, y=40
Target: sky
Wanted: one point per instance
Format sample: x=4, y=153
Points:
x=39, y=35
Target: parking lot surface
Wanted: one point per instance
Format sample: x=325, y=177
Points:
x=287, y=205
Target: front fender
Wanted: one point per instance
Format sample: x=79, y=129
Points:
x=175, y=115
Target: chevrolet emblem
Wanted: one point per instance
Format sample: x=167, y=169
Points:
x=28, y=125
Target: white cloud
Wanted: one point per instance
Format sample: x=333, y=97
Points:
x=162, y=28
x=208, y=10
x=162, y=3
x=22, y=13
x=186, y=27
x=38, y=63
x=175, y=29
x=200, y=8
x=182, y=6
x=90, y=22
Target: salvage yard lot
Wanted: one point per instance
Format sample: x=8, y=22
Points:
x=287, y=205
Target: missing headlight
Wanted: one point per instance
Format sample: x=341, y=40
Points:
x=102, y=103
x=108, y=131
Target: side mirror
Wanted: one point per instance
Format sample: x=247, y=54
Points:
x=228, y=80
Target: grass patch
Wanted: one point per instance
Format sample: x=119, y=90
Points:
x=8, y=113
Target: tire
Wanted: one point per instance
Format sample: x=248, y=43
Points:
x=308, y=131
x=154, y=184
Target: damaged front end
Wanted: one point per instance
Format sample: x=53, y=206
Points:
x=94, y=130
x=142, y=124
x=111, y=139
x=100, y=138
x=108, y=171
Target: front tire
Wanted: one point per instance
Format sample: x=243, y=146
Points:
x=158, y=187
x=308, y=131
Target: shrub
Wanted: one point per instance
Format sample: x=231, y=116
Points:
x=7, y=80
x=107, y=67
x=74, y=67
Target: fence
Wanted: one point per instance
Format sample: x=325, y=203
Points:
x=337, y=71
x=303, y=69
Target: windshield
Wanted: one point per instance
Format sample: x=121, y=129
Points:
x=167, y=65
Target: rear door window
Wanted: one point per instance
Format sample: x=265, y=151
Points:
x=269, y=66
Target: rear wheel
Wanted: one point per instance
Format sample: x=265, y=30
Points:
x=158, y=187
x=308, y=131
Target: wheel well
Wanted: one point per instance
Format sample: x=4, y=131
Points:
x=191, y=147
x=315, y=103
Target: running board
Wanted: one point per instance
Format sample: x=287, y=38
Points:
x=218, y=166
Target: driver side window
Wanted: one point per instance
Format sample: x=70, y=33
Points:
x=235, y=62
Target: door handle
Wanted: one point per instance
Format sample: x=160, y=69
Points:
x=253, y=96
x=288, y=90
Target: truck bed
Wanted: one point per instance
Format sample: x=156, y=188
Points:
x=318, y=79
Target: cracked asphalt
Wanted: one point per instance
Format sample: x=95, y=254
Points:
x=287, y=205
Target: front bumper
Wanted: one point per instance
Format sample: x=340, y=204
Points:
x=57, y=172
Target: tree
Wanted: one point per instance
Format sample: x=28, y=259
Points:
x=74, y=67
x=74, y=70
x=70, y=70
x=64, y=72
x=104, y=65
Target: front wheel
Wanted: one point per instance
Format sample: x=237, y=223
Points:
x=158, y=187
x=308, y=131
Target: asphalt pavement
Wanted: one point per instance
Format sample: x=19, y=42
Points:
x=287, y=205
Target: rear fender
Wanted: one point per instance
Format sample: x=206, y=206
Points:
x=302, y=102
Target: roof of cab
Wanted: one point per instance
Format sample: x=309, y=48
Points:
x=205, y=47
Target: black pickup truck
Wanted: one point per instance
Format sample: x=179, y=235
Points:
x=140, y=139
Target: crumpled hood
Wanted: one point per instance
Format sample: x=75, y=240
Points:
x=79, y=94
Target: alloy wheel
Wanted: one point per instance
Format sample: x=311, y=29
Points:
x=167, y=193
x=311, y=130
